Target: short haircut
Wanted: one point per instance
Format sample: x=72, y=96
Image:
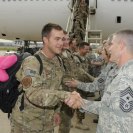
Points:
x=71, y=40
x=46, y=30
x=82, y=44
x=127, y=37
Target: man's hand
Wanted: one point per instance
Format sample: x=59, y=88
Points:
x=72, y=83
x=74, y=100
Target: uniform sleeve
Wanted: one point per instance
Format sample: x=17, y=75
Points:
x=120, y=104
x=84, y=76
x=121, y=97
x=91, y=106
x=33, y=85
x=96, y=85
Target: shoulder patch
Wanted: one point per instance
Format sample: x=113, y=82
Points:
x=26, y=81
x=126, y=100
x=29, y=72
x=100, y=80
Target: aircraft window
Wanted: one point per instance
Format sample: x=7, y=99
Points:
x=3, y=34
x=118, y=19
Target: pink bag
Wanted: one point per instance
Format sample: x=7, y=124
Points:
x=5, y=63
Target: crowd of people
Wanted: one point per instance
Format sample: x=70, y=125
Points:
x=52, y=98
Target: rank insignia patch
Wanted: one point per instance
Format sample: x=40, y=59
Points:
x=100, y=80
x=126, y=100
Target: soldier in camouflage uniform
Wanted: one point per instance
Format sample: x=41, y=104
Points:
x=71, y=71
x=116, y=107
x=73, y=45
x=82, y=61
x=66, y=112
x=79, y=20
x=42, y=92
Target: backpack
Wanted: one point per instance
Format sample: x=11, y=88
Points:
x=9, y=90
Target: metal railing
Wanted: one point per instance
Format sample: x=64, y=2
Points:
x=92, y=35
x=70, y=18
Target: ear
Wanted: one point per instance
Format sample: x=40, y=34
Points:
x=45, y=40
x=122, y=45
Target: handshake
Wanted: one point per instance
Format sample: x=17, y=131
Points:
x=74, y=100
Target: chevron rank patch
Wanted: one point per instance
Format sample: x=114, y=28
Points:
x=100, y=80
x=126, y=100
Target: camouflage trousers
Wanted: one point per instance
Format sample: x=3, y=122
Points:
x=80, y=115
x=18, y=128
x=66, y=116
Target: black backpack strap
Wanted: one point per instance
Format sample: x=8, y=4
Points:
x=78, y=58
x=22, y=103
x=40, y=61
x=61, y=62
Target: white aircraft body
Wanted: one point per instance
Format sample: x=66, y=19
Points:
x=24, y=19
x=111, y=16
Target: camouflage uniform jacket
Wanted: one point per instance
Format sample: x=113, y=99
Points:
x=69, y=66
x=81, y=61
x=116, y=107
x=83, y=65
x=68, y=61
x=42, y=90
x=103, y=80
